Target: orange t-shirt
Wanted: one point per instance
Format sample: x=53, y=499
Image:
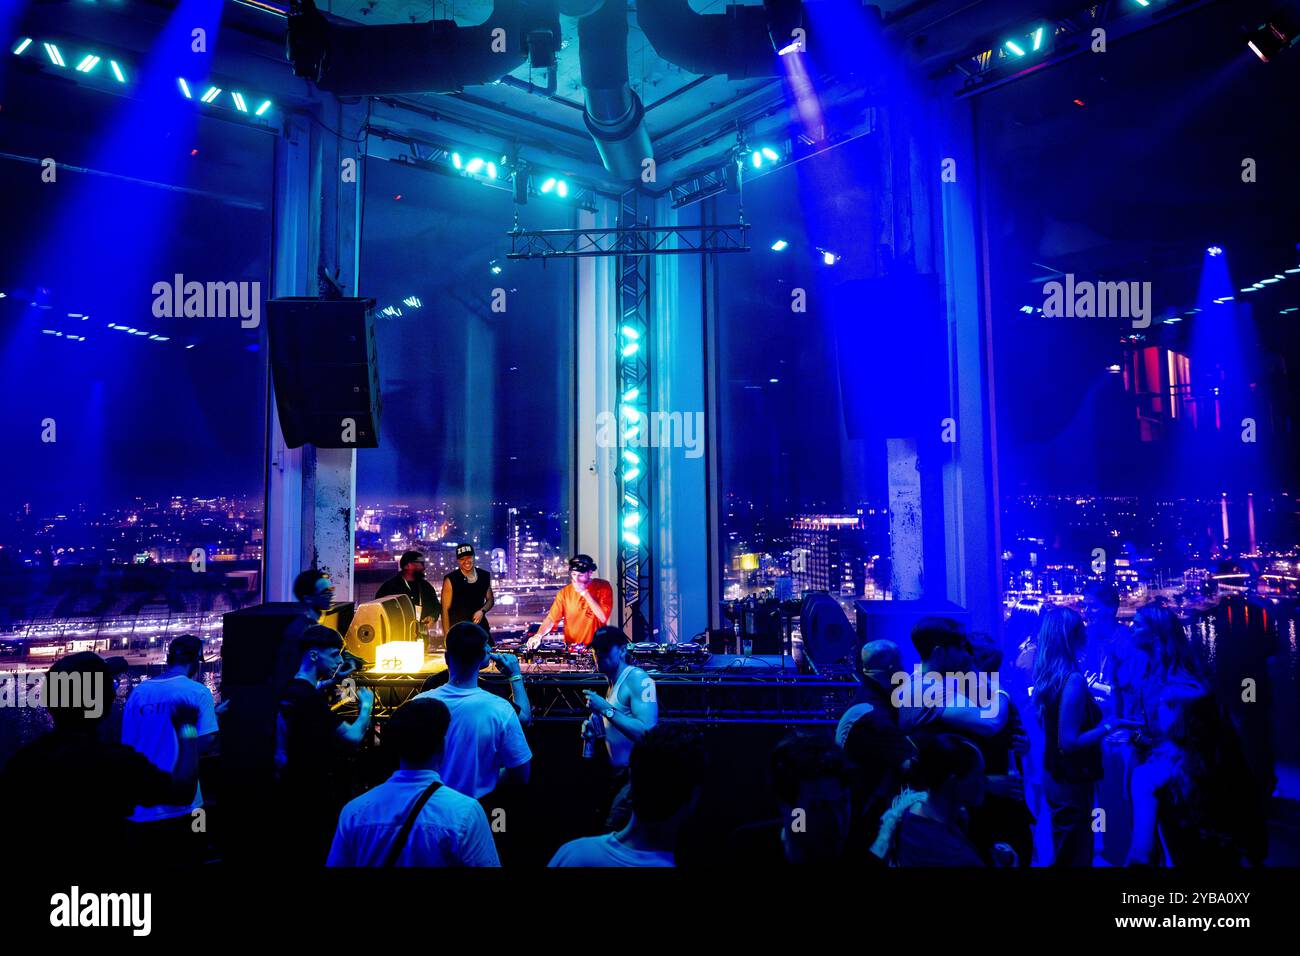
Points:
x=580, y=622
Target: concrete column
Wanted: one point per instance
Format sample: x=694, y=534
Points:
x=972, y=504
x=595, y=484
x=680, y=503
x=906, y=527
x=311, y=492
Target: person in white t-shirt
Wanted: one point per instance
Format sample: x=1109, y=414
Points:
x=448, y=828
x=485, y=743
x=666, y=774
x=168, y=833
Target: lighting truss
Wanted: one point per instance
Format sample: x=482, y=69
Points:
x=627, y=241
x=632, y=381
x=442, y=158
x=711, y=182
x=1062, y=38
x=113, y=73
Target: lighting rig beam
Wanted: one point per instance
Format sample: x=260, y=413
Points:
x=627, y=241
x=633, y=417
x=1047, y=43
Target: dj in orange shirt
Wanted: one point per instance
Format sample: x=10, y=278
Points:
x=584, y=604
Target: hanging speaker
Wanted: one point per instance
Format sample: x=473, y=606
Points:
x=325, y=369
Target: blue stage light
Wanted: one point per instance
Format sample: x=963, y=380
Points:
x=88, y=63
x=23, y=44
x=1038, y=38
x=1015, y=48
x=548, y=185
x=184, y=88
x=53, y=53
x=779, y=245
x=117, y=71
x=1215, y=250
x=211, y=95
x=475, y=165
x=266, y=105
x=239, y=102
x=561, y=188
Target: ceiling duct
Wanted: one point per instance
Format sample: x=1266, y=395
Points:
x=438, y=56
x=745, y=42
x=736, y=42
x=613, y=112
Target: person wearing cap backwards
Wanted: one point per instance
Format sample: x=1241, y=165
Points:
x=410, y=581
x=584, y=604
x=466, y=592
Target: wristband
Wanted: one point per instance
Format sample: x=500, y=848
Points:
x=188, y=732
x=517, y=677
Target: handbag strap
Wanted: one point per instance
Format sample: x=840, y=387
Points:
x=404, y=834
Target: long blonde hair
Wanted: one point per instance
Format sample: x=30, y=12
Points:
x=1060, y=639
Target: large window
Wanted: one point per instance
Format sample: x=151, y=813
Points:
x=475, y=362
x=1149, y=440
x=131, y=504
x=802, y=476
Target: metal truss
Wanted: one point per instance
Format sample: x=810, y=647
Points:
x=1067, y=36
x=755, y=696
x=627, y=241
x=632, y=400
x=703, y=696
x=684, y=192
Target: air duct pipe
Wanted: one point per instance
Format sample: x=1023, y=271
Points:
x=613, y=112
x=735, y=42
x=745, y=42
x=438, y=56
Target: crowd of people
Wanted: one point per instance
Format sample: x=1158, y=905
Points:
x=1099, y=742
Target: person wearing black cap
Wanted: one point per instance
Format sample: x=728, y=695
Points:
x=466, y=592
x=584, y=604
x=410, y=581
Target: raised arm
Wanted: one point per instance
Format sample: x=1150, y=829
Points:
x=446, y=606
x=600, y=606
x=642, y=701
x=554, y=616
x=353, y=733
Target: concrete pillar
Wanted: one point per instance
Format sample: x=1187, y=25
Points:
x=906, y=524
x=680, y=504
x=311, y=492
x=595, y=482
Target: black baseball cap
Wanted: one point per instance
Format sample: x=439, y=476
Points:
x=581, y=562
x=464, y=549
x=410, y=557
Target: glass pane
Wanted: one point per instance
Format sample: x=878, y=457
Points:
x=136, y=511
x=1145, y=383
x=802, y=481
x=476, y=361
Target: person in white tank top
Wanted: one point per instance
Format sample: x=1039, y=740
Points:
x=629, y=706
x=623, y=715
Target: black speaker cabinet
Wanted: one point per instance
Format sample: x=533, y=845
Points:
x=325, y=369
x=259, y=656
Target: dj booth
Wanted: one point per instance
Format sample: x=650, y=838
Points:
x=745, y=689
x=728, y=689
